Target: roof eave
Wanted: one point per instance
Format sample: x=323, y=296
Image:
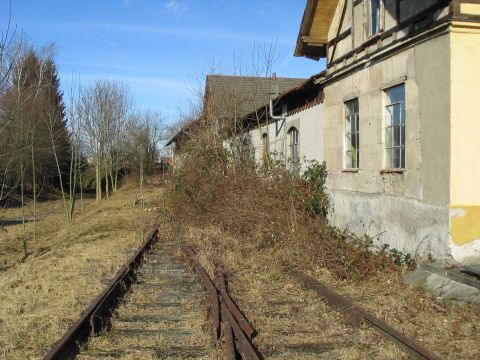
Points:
x=313, y=47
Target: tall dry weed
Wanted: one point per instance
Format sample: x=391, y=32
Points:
x=266, y=208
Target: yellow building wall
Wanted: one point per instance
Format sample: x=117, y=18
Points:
x=465, y=138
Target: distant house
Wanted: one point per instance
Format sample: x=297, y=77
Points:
x=395, y=117
x=230, y=98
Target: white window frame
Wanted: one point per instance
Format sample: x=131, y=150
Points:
x=395, y=130
x=351, y=119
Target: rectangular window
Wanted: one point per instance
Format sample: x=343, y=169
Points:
x=352, y=135
x=374, y=24
x=395, y=127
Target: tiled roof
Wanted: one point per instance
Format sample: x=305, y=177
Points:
x=227, y=95
x=242, y=95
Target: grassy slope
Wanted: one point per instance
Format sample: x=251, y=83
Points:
x=40, y=298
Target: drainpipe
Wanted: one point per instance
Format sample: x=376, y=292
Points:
x=273, y=117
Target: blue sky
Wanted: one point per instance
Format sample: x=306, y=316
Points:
x=160, y=47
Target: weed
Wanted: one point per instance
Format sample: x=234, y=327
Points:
x=267, y=207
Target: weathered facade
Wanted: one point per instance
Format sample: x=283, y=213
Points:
x=398, y=123
x=292, y=132
x=414, y=184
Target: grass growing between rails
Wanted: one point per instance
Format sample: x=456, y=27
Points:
x=258, y=221
x=42, y=297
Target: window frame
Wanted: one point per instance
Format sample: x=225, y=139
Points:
x=348, y=147
x=379, y=19
x=293, y=148
x=390, y=123
x=265, y=146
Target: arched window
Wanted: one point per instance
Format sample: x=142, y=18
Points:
x=293, y=150
x=265, y=146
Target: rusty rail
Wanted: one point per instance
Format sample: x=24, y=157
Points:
x=229, y=341
x=359, y=315
x=244, y=324
x=96, y=316
x=209, y=287
x=235, y=325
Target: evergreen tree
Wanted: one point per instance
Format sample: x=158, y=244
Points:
x=34, y=123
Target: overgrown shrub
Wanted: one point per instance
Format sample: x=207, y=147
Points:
x=317, y=201
x=267, y=209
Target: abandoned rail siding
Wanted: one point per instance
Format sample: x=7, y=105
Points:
x=161, y=316
x=393, y=115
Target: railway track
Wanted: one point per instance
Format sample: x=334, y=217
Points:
x=163, y=315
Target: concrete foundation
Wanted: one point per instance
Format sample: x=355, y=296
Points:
x=407, y=225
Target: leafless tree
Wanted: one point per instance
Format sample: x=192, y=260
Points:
x=224, y=123
x=103, y=109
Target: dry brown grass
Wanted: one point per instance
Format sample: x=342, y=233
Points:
x=256, y=223
x=40, y=298
x=292, y=320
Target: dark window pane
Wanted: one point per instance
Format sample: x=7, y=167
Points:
x=396, y=116
x=396, y=158
x=402, y=165
x=396, y=136
x=351, y=133
x=354, y=141
x=374, y=7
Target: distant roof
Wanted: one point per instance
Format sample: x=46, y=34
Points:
x=298, y=98
x=226, y=95
x=244, y=94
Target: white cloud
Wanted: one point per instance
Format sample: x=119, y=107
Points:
x=177, y=6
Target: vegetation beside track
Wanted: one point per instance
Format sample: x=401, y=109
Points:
x=41, y=297
x=257, y=220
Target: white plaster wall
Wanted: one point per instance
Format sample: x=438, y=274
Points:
x=276, y=137
x=309, y=123
x=310, y=126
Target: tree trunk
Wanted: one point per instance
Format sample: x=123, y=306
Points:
x=106, y=182
x=81, y=184
x=142, y=199
x=34, y=185
x=60, y=177
x=98, y=180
